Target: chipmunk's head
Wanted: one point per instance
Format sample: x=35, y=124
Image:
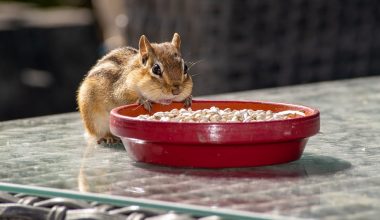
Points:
x=165, y=77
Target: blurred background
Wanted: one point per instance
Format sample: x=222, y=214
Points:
x=47, y=46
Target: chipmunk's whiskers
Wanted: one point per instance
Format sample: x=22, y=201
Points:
x=191, y=64
x=195, y=74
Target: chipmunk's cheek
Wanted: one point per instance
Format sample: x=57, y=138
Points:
x=164, y=101
x=186, y=92
x=162, y=98
x=182, y=96
x=178, y=99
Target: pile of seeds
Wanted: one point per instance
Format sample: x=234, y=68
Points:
x=214, y=114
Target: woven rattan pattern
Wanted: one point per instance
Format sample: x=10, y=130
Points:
x=26, y=207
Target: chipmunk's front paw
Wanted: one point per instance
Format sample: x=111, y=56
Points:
x=187, y=102
x=146, y=104
x=109, y=139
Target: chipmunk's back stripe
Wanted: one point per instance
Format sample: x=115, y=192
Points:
x=117, y=60
x=134, y=50
x=101, y=68
x=120, y=55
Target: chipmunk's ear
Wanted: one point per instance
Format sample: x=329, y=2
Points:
x=176, y=41
x=145, y=48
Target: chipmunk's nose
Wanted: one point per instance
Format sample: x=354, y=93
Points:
x=176, y=90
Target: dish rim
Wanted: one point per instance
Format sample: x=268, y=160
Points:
x=115, y=112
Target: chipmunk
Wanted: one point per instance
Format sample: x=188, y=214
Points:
x=155, y=73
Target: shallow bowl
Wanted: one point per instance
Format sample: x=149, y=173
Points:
x=214, y=145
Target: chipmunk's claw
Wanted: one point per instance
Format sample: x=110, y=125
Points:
x=146, y=104
x=187, y=102
x=109, y=139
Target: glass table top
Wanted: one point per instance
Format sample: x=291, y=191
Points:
x=337, y=176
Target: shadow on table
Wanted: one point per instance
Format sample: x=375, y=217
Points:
x=308, y=165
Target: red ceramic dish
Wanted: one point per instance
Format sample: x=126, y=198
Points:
x=214, y=145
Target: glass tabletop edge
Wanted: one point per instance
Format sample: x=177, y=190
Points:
x=196, y=210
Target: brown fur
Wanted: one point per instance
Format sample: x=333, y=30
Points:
x=121, y=77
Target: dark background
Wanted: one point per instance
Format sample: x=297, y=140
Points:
x=47, y=47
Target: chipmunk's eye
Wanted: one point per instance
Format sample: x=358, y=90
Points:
x=156, y=69
x=185, y=69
